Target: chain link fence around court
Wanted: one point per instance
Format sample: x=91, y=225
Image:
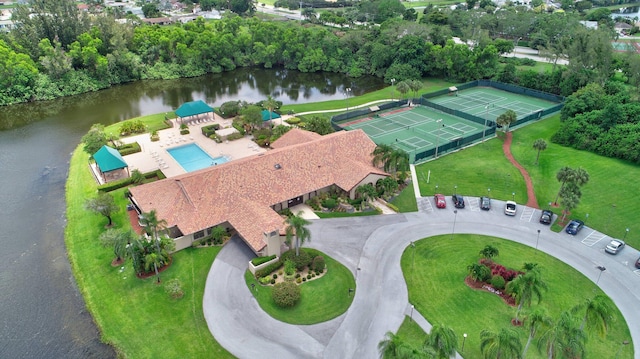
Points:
x=418, y=155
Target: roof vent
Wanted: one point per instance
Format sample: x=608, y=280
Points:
x=277, y=166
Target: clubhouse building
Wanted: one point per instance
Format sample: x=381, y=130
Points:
x=245, y=195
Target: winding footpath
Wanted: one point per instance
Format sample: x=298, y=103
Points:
x=531, y=194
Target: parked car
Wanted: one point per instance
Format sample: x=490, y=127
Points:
x=440, y=201
x=510, y=208
x=638, y=263
x=614, y=247
x=546, y=217
x=574, y=226
x=458, y=201
x=485, y=203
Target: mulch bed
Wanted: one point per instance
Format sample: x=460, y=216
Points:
x=509, y=300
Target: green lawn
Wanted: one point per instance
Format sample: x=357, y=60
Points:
x=406, y=200
x=476, y=169
x=436, y=287
x=345, y=214
x=136, y=316
x=321, y=299
x=430, y=85
x=153, y=122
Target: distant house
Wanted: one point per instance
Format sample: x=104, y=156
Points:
x=159, y=21
x=244, y=195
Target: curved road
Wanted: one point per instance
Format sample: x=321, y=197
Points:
x=371, y=248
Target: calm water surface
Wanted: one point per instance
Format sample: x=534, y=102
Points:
x=43, y=314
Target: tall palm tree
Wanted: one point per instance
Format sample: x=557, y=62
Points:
x=534, y=321
x=525, y=287
x=381, y=155
x=564, y=338
x=367, y=192
x=389, y=347
x=505, y=344
x=403, y=87
x=153, y=225
x=564, y=175
x=296, y=226
x=506, y=119
x=598, y=313
x=443, y=340
x=132, y=249
x=154, y=259
x=270, y=104
x=539, y=145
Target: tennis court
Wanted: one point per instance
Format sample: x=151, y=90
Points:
x=415, y=130
x=489, y=102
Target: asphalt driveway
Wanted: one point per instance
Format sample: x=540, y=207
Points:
x=371, y=248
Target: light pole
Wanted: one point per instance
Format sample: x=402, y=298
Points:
x=455, y=216
x=625, y=234
x=602, y=269
x=411, y=315
x=436, y=188
x=586, y=216
x=393, y=81
x=438, y=138
x=347, y=91
x=486, y=116
x=489, y=192
x=455, y=189
x=513, y=196
x=464, y=339
x=537, y=239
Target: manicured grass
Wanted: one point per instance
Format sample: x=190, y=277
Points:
x=474, y=170
x=406, y=200
x=136, y=316
x=412, y=333
x=436, y=287
x=153, y=122
x=610, y=181
x=321, y=299
x=345, y=214
x=430, y=85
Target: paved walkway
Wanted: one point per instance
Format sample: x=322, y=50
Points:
x=371, y=248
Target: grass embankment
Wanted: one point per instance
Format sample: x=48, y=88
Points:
x=436, y=287
x=430, y=85
x=476, y=169
x=135, y=316
x=153, y=122
x=406, y=200
x=321, y=299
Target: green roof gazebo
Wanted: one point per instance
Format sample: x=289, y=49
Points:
x=193, y=108
x=110, y=165
x=269, y=115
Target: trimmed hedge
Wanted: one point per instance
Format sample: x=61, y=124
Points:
x=259, y=260
x=129, y=148
x=209, y=130
x=268, y=269
x=301, y=261
x=125, y=182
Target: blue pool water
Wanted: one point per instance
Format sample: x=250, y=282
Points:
x=192, y=158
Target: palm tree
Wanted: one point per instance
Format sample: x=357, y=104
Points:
x=564, y=175
x=218, y=233
x=504, y=344
x=415, y=86
x=154, y=259
x=535, y=320
x=403, y=87
x=367, y=192
x=580, y=176
x=539, y=145
x=564, y=338
x=506, y=119
x=598, y=313
x=270, y=104
x=479, y=272
x=569, y=200
x=381, y=155
x=390, y=346
x=489, y=251
x=132, y=248
x=443, y=340
x=296, y=226
x=525, y=287
x=153, y=225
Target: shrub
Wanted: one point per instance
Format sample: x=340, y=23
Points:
x=304, y=279
x=509, y=275
x=497, y=282
x=318, y=264
x=136, y=177
x=174, y=288
x=329, y=203
x=131, y=127
x=184, y=132
x=293, y=121
x=155, y=137
x=209, y=130
x=285, y=294
x=265, y=280
x=273, y=281
x=301, y=261
x=289, y=267
x=268, y=269
x=299, y=280
x=108, y=187
x=297, y=275
x=309, y=276
x=235, y=136
x=129, y=148
x=259, y=260
x=229, y=109
x=275, y=276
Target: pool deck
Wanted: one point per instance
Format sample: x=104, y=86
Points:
x=154, y=155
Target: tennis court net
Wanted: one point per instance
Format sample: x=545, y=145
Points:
x=397, y=123
x=474, y=100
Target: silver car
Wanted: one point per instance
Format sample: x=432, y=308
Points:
x=614, y=247
x=510, y=208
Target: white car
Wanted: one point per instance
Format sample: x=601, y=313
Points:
x=614, y=246
x=510, y=208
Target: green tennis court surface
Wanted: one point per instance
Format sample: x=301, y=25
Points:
x=415, y=129
x=489, y=103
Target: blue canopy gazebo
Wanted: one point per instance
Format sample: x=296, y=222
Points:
x=193, y=108
x=110, y=164
x=269, y=115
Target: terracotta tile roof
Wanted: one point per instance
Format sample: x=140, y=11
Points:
x=294, y=137
x=242, y=191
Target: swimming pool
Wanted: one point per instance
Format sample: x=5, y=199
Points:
x=192, y=158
